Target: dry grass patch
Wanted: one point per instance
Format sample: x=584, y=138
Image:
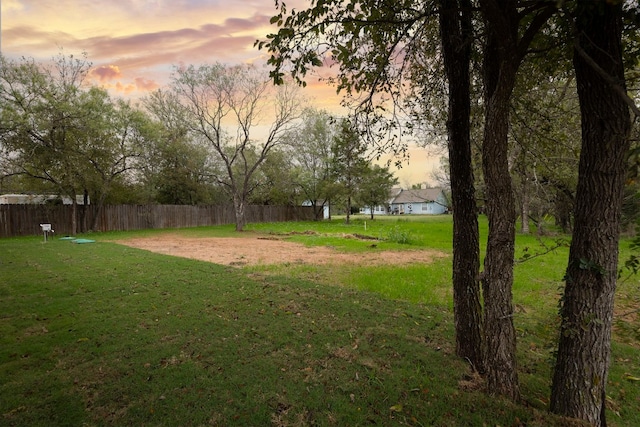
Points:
x=259, y=250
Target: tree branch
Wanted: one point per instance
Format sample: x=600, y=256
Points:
x=608, y=78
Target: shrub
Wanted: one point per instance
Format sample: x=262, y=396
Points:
x=398, y=235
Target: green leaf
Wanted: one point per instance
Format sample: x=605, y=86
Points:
x=396, y=408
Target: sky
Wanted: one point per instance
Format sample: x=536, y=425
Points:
x=135, y=44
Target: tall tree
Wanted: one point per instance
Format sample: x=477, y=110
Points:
x=581, y=372
x=349, y=163
x=456, y=33
x=41, y=116
x=225, y=105
x=510, y=29
x=309, y=147
x=111, y=140
x=54, y=129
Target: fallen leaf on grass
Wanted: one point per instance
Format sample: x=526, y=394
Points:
x=629, y=377
x=14, y=411
x=396, y=408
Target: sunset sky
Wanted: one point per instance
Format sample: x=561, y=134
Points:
x=135, y=44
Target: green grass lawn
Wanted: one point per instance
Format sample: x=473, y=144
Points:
x=103, y=334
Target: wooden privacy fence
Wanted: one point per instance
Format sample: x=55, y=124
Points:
x=25, y=220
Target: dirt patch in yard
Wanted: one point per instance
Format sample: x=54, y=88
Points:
x=242, y=251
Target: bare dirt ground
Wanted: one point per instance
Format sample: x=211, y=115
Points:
x=243, y=251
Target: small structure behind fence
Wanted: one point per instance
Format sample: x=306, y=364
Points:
x=25, y=220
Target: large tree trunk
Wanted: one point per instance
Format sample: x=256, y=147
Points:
x=506, y=44
x=497, y=282
x=348, y=218
x=74, y=216
x=456, y=33
x=500, y=67
x=582, y=365
x=239, y=210
x=98, y=208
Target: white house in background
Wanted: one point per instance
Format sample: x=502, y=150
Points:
x=38, y=199
x=426, y=201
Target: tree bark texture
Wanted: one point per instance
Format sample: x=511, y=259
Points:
x=74, y=215
x=348, y=218
x=501, y=64
x=582, y=364
x=239, y=205
x=524, y=206
x=497, y=281
x=456, y=34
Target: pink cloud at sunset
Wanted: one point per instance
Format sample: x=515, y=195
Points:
x=134, y=45
x=105, y=72
x=146, y=85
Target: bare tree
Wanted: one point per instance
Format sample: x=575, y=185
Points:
x=228, y=106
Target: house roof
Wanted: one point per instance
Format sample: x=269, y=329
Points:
x=393, y=193
x=417, y=195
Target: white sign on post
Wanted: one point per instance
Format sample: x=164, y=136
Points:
x=46, y=229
